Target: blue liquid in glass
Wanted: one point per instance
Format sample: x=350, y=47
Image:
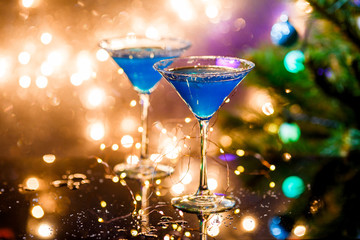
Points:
x=139, y=69
x=204, y=93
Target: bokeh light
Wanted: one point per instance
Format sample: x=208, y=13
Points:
x=178, y=188
x=293, y=187
x=32, y=183
x=248, y=223
x=49, y=158
x=24, y=58
x=127, y=141
x=45, y=230
x=46, y=38
x=132, y=159
x=97, y=131
x=25, y=81
x=102, y=55
x=37, y=211
x=212, y=183
x=299, y=230
x=41, y=82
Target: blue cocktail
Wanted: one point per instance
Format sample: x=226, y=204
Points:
x=204, y=83
x=136, y=56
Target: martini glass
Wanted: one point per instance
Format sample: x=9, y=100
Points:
x=136, y=56
x=204, y=83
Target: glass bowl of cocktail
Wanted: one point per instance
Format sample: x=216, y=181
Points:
x=136, y=56
x=204, y=82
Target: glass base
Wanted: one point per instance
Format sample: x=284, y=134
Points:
x=144, y=170
x=203, y=204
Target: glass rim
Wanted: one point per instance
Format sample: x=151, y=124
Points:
x=184, y=44
x=167, y=70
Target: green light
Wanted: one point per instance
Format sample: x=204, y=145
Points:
x=289, y=132
x=293, y=187
x=294, y=61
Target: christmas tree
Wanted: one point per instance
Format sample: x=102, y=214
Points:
x=305, y=132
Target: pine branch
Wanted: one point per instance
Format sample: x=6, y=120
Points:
x=345, y=25
x=346, y=97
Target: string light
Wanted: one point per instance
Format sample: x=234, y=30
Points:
x=103, y=204
x=240, y=152
x=115, y=147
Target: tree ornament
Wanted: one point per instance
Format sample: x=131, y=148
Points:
x=294, y=61
x=283, y=33
x=280, y=226
x=293, y=187
x=289, y=132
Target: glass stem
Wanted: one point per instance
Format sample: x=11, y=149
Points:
x=202, y=222
x=144, y=102
x=203, y=187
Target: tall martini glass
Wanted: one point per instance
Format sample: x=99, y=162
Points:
x=136, y=56
x=204, y=83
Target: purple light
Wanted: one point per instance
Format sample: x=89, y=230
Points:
x=226, y=62
x=228, y=157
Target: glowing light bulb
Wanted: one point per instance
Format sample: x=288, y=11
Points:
x=248, y=223
x=127, y=141
x=187, y=120
x=240, y=152
x=97, y=131
x=103, y=204
x=46, y=38
x=25, y=81
x=41, y=82
x=24, y=58
x=133, y=103
x=37, y=212
x=49, y=158
x=32, y=183
x=272, y=168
